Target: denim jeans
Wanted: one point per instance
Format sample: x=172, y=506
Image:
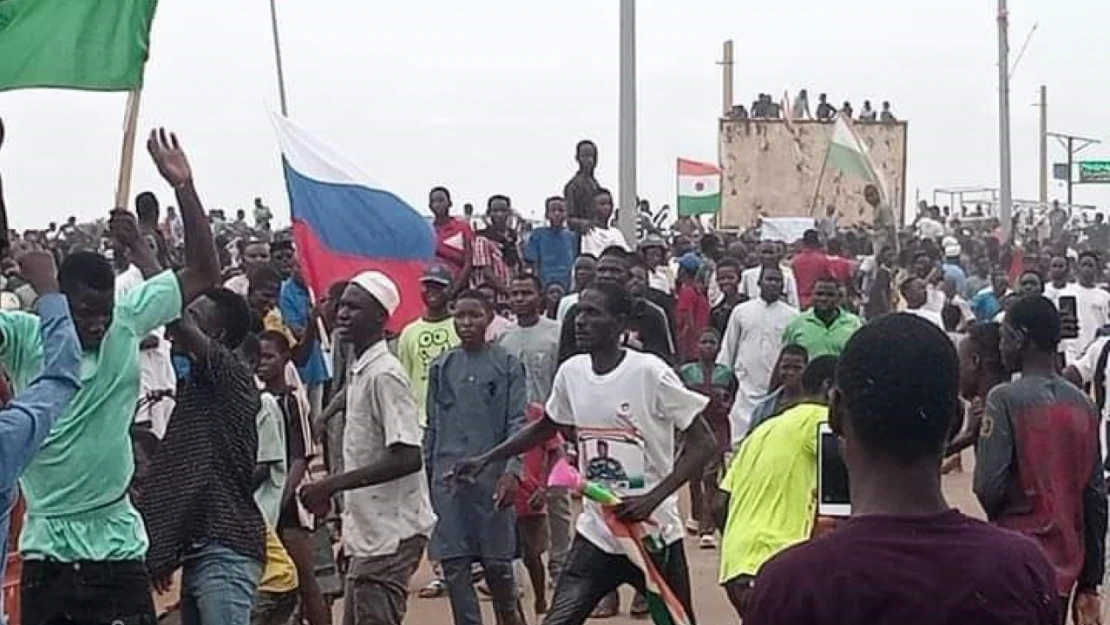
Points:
x=590, y=573
x=218, y=586
x=86, y=592
x=460, y=589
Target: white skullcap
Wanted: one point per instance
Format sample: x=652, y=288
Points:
x=378, y=285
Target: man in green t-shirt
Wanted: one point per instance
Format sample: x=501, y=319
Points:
x=84, y=543
x=429, y=336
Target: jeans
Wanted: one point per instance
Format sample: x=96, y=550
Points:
x=464, y=601
x=89, y=593
x=590, y=573
x=218, y=586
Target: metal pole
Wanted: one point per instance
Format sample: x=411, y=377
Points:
x=1005, y=198
x=1043, y=196
x=726, y=79
x=1071, y=162
x=626, y=218
x=277, y=59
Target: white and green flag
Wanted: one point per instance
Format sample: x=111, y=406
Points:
x=848, y=153
x=699, y=188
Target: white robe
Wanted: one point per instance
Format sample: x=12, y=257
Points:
x=751, y=346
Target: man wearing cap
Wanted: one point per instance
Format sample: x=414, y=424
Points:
x=388, y=515
x=430, y=335
x=952, y=270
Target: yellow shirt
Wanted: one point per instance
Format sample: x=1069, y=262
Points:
x=279, y=575
x=772, y=486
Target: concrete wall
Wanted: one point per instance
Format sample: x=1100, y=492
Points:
x=772, y=168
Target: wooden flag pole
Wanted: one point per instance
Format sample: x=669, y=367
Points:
x=127, y=150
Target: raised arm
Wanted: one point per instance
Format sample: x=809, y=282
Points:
x=26, y=421
x=202, y=265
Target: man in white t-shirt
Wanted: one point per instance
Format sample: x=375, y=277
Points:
x=916, y=296
x=1092, y=306
x=624, y=406
x=769, y=256
x=602, y=235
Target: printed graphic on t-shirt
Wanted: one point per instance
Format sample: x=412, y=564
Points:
x=613, y=456
x=430, y=344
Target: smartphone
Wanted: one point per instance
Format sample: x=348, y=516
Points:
x=1069, y=317
x=833, y=498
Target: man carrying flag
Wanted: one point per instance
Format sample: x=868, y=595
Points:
x=848, y=154
x=625, y=407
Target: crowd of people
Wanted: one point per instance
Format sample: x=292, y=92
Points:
x=764, y=107
x=181, y=406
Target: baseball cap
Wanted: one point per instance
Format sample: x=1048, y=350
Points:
x=381, y=288
x=652, y=240
x=437, y=274
x=690, y=261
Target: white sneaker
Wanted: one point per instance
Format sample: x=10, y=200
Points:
x=707, y=541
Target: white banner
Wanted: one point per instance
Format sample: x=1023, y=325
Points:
x=785, y=229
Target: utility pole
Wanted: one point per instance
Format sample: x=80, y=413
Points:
x=629, y=208
x=1042, y=197
x=1004, y=183
x=1074, y=144
x=277, y=60
x=726, y=79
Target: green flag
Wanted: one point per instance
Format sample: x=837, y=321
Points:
x=98, y=45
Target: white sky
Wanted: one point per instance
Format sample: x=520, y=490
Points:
x=489, y=96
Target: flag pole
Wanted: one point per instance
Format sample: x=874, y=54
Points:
x=127, y=150
x=820, y=179
x=277, y=60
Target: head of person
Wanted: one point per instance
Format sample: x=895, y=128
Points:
x=585, y=154
x=834, y=247
x=1030, y=283
x=1087, y=267
x=584, y=271
x=811, y=240
x=284, y=259
x=788, y=369
x=709, y=343
x=770, y=284
x=88, y=281
x=830, y=210
x=439, y=202
x=681, y=245
x=886, y=106
x=222, y=315
x=240, y=215
x=710, y=246
x=552, y=294
x=1000, y=282
x=689, y=264
x=769, y=254
x=498, y=209
x=638, y=280
x=1031, y=326
x=601, y=316
x=887, y=256
x=951, y=316
x=922, y=264
x=473, y=314
x=817, y=378
x=171, y=211
x=613, y=266
x=602, y=449
x=980, y=357
x=822, y=98
x=146, y=207
x=913, y=291
x=274, y=353
x=258, y=202
x=728, y=276
x=263, y=288
x=526, y=296
x=603, y=207
x=368, y=301
x=654, y=250
x=826, y=295
x=1059, y=268
x=555, y=209
x=331, y=304
x=884, y=411
x=871, y=195
x=434, y=286
x=255, y=255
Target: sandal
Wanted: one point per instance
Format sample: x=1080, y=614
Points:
x=434, y=590
x=608, y=607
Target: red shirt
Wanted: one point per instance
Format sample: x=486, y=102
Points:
x=808, y=266
x=841, y=269
x=692, y=316
x=533, y=475
x=451, y=239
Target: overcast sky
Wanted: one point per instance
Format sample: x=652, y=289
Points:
x=489, y=96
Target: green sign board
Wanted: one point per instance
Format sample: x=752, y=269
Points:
x=1094, y=171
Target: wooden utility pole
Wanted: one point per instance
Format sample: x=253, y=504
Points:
x=726, y=79
x=1005, y=196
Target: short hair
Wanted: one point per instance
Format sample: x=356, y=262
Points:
x=834, y=246
x=729, y=263
x=1037, y=317
x=497, y=196
x=602, y=191
x=335, y=291
x=794, y=349
x=618, y=302
x=616, y=251
x=583, y=143
x=88, y=270
x=905, y=284
x=250, y=350
x=951, y=315
x=985, y=339
x=277, y=338
x=146, y=206
x=826, y=278
x=476, y=295
x=442, y=190
x=235, y=315
x=265, y=275
x=820, y=370
x=530, y=277
x=810, y=238
x=548, y=201
x=894, y=410
x=1093, y=254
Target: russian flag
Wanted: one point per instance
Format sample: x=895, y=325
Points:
x=344, y=224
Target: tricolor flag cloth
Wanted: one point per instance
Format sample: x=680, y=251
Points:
x=344, y=224
x=98, y=45
x=848, y=154
x=699, y=188
x=663, y=604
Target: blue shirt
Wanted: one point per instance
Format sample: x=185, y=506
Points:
x=25, y=422
x=296, y=309
x=985, y=305
x=956, y=274
x=554, y=250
